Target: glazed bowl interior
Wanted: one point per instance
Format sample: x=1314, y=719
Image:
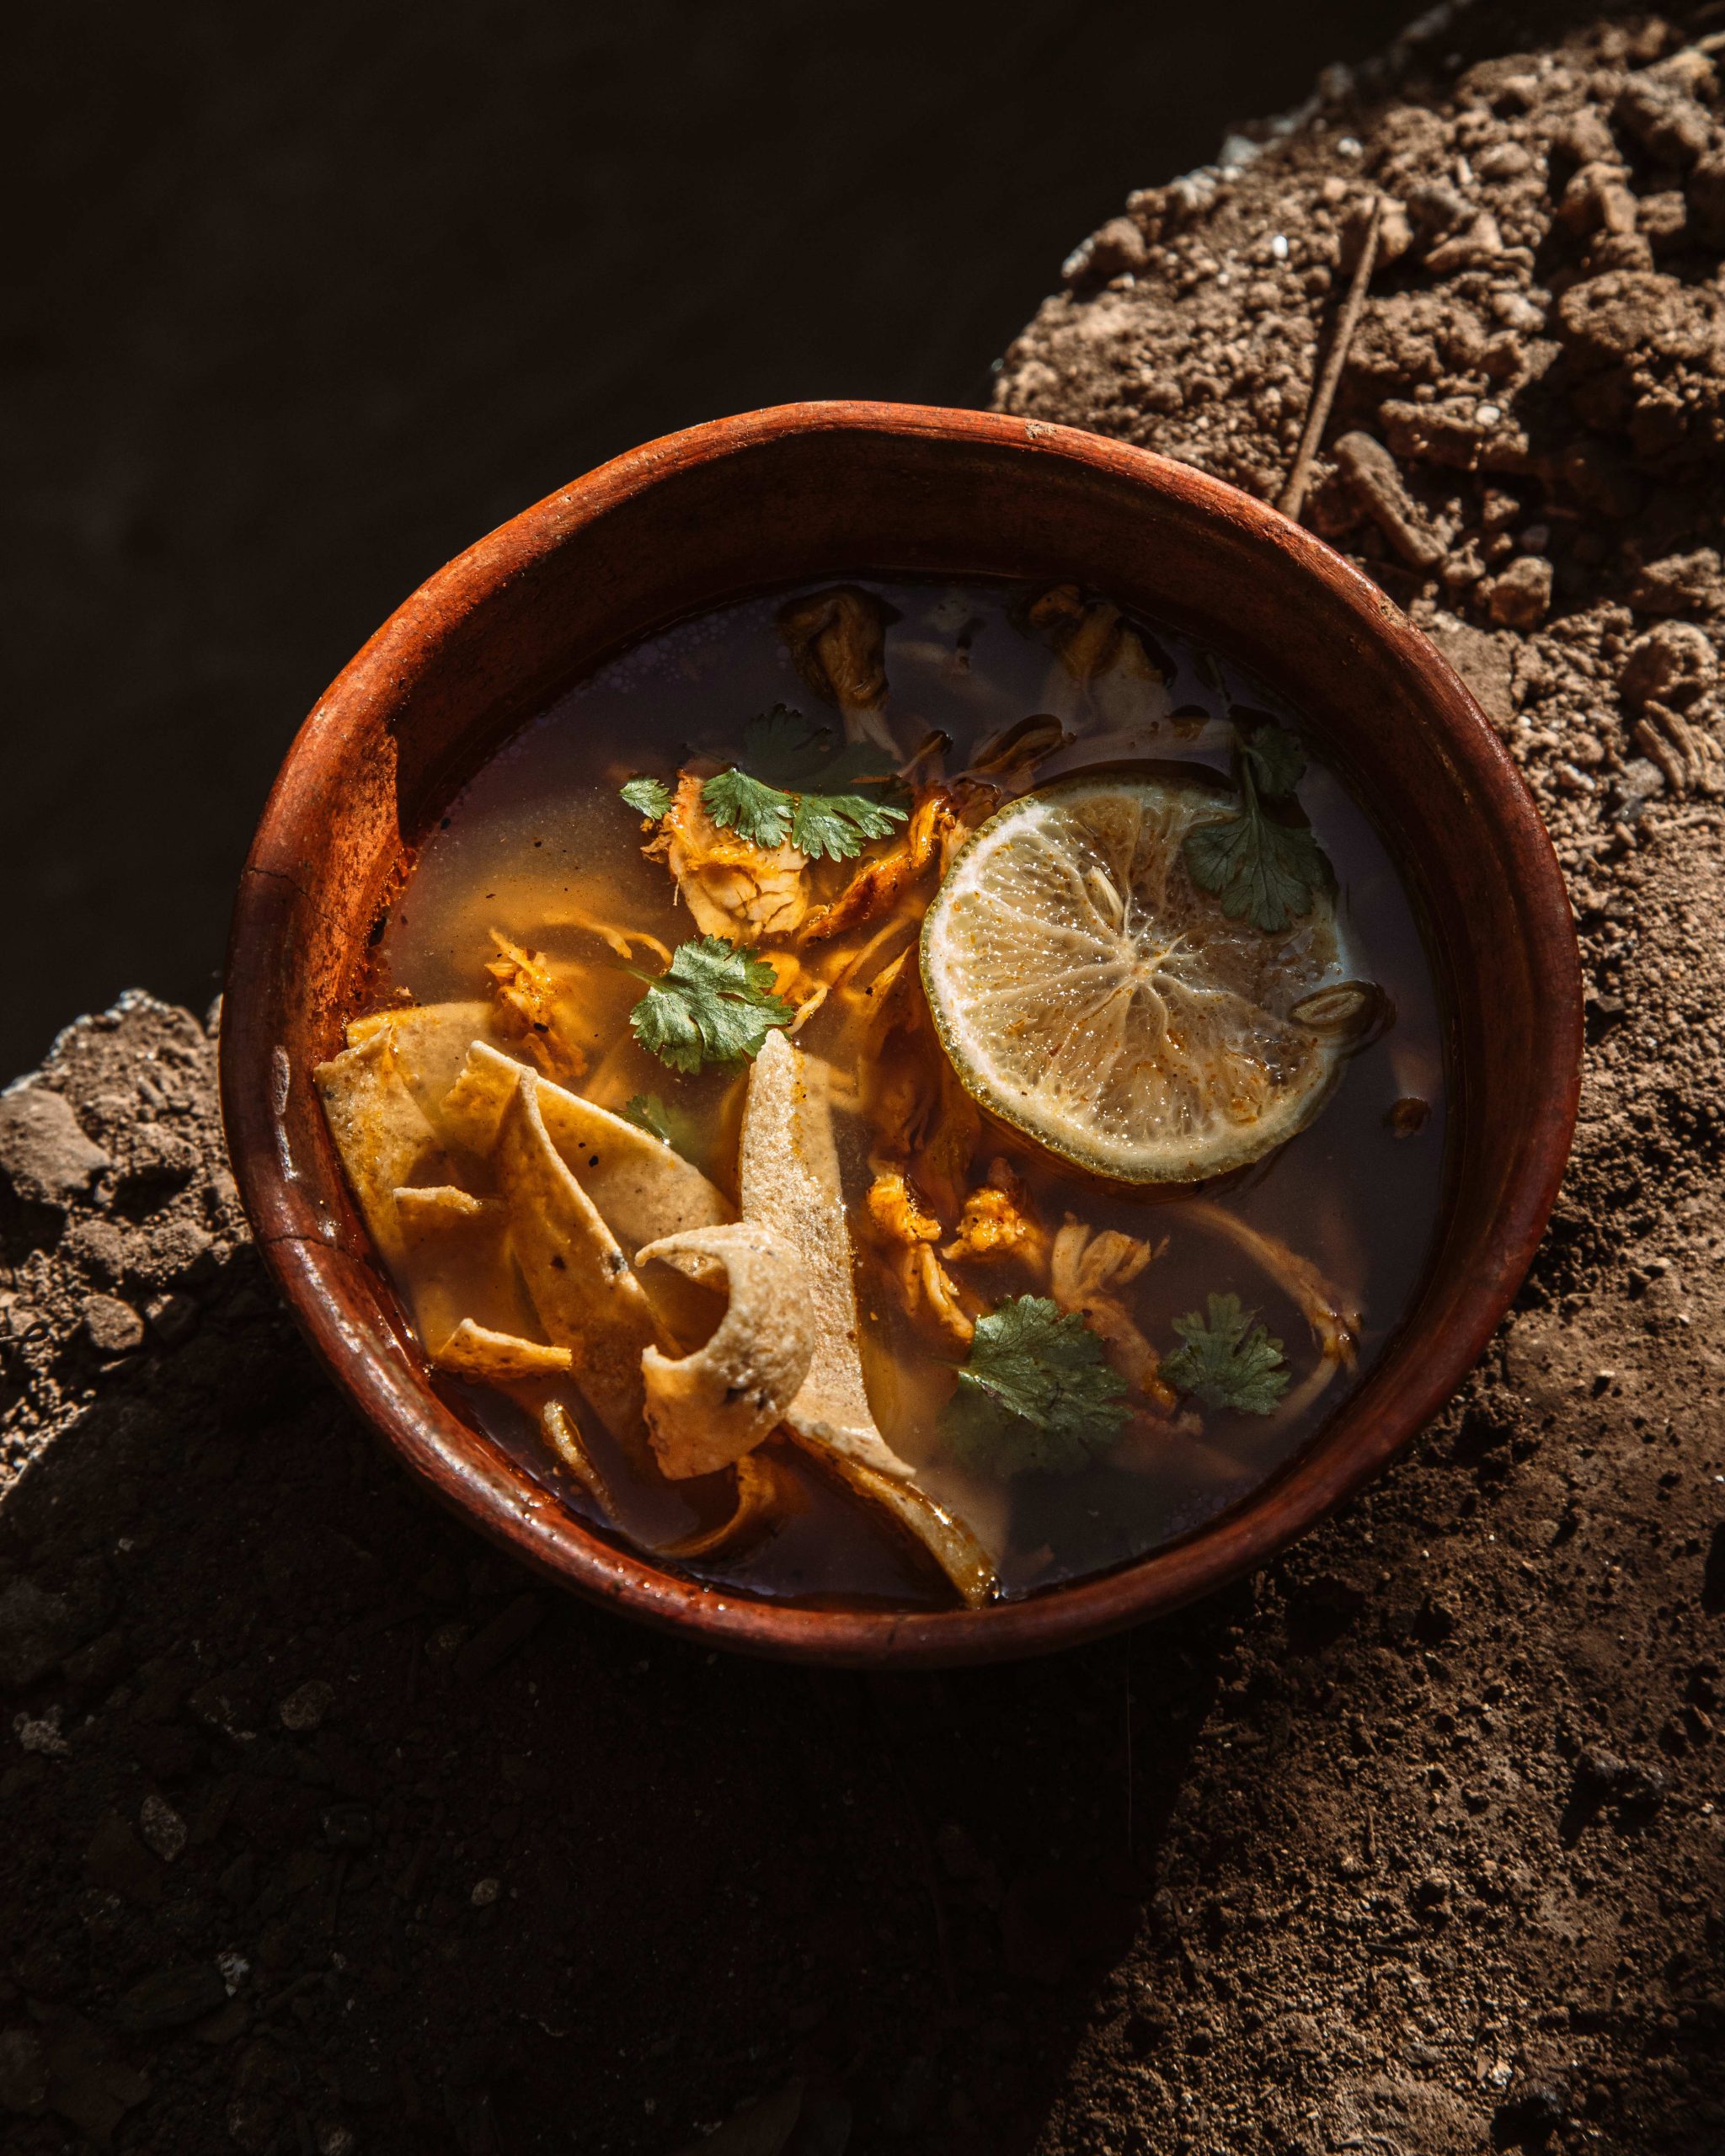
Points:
x=788, y=497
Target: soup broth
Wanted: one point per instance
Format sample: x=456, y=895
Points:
x=546, y=908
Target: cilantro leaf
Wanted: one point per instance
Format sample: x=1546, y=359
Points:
x=650, y=796
x=714, y=1003
x=782, y=747
x=1231, y=1362
x=1038, y=1397
x=838, y=824
x=647, y=1111
x=1276, y=758
x=1260, y=869
x=800, y=759
x=760, y=814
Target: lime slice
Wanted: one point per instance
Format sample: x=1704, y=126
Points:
x=1090, y=993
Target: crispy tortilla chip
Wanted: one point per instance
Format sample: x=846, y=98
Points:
x=789, y=1172
x=946, y=1538
x=707, y=1409
x=474, y=1351
x=564, y=1434
x=459, y=1264
x=764, y=1495
x=643, y=1190
x=431, y=1042
x=588, y=1299
x=380, y=1131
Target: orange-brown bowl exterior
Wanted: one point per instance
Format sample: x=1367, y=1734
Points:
x=808, y=491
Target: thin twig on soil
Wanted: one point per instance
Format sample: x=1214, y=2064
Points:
x=1324, y=389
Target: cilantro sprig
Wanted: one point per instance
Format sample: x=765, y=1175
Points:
x=1038, y=1397
x=1260, y=868
x=651, y=797
x=713, y=1003
x=1229, y=1361
x=797, y=785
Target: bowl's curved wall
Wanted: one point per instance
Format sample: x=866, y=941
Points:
x=799, y=493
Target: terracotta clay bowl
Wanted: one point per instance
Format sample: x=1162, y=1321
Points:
x=815, y=490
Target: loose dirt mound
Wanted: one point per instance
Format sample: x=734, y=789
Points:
x=326, y=1830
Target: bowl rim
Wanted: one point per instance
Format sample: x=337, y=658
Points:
x=396, y=1397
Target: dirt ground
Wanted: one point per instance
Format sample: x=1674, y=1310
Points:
x=326, y=1830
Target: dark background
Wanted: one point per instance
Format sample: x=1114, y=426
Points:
x=302, y=301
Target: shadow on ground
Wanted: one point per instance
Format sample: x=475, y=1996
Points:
x=507, y=1872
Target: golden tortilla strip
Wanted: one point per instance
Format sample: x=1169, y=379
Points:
x=474, y=1351
x=380, y=1130
x=790, y=1174
x=707, y=1409
x=567, y=1442
x=588, y=1299
x=459, y=1264
x=763, y=1498
x=643, y=1188
x=946, y=1538
x=431, y=1042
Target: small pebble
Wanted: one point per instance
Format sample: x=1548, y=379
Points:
x=114, y=1327
x=486, y=1893
x=162, y=1828
x=305, y=1707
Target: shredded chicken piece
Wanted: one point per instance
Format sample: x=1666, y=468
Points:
x=1335, y=1324
x=918, y=1113
x=999, y=1220
x=742, y=892
x=894, y=1214
x=528, y=996
x=879, y=883
x=940, y=1296
x=906, y=1236
x=1087, y=1269
x=625, y=942
x=1103, y=669
x=837, y=639
x=1011, y=758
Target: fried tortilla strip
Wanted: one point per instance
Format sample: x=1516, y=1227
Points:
x=788, y=1169
x=643, y=1189
x=763, y=1498
x=706, y=1410
x=563, y=1434
x=432, y=1041
x=940, y=1531
x=459, y=1264
x=380, y=1132
x=474, y=1351
x=588, y=1299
